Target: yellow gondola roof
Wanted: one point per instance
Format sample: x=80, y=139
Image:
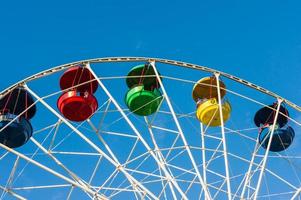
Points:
x=206, y=88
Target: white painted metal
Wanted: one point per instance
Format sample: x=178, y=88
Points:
x=162, y=165
x=263, y=166
x=207, y=194
x=165, y=177
x=223, y=136
x=131, y=179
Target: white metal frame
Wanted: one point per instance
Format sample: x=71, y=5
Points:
x=164, y=174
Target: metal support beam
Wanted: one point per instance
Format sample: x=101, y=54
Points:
x=207, y=195
x=162, y=165
x=223, y=136
x=267, y=150
x=203, y=153
x=131, y=179
x=51, y=171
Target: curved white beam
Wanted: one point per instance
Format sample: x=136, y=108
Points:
x=147, y=59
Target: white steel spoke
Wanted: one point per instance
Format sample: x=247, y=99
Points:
x=10, y=178
x=104, y=115
x=12, y=193
x=190, y=185
x=104, y=143
x=223, y=136
x=297, y=193
x=42, y=187
x=267, y=150
x=168, y=176
x=58, y=162
x=4, y=155
x=54, y=134
x=161, y=158
x=52, y=171
x=207, y=194
x=70, y=193
x=95, y=169
x=116, y=164
x=249, y=172
x=266, y=169
x=163, y=185
x=203, y=153
x=173, y=147
x=163, y=190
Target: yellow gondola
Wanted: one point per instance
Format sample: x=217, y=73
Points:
x=208, y=112
x=205, y=94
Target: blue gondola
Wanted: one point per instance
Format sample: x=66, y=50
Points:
x=282, y=138
x=16, y=133
x=283, y=135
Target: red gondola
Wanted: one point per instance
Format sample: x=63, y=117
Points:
x=78, y=103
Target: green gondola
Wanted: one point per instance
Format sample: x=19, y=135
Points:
x=144, y=96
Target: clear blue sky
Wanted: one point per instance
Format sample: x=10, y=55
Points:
x=259, y=41
x=256, y=40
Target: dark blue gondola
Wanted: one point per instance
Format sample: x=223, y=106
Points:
x=283, y=135
x=15, y=134
x=266, y=115
x=18, y=132
x=282, y=138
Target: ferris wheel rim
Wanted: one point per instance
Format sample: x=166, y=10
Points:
x=65, y=66
x=134, y=59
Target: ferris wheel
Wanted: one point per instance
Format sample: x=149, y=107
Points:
x=146, y=128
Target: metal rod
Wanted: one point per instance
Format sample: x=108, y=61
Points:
x=162, y=165
x=267, y=149
x=223, y=136
x=207, y=195
x=117, y=165
x=146, y=59
x=49, y=170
